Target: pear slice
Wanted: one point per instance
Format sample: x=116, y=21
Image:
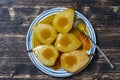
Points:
x=86, y=43
x=63, y=21
x=46, y=54
x=45, y=33
x=67, y=42
x=74, y=61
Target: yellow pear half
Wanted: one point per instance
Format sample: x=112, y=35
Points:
x=45, y=33
x=63, y=21
x=46, y=54
x=67, y=42
x=74, y=61
x=86, y=43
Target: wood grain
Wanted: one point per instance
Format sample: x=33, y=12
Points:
x=17, y=15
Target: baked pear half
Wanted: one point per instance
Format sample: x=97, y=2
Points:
x=63, y=21
x=67, y=42
x=86, y=43
x=74, y=61
x=45, y=33
x=46, y=54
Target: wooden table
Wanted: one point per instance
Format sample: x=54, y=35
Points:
x=17, y=15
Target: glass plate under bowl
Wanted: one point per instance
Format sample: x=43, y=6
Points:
x=49, y=70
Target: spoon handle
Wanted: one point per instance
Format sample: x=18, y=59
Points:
x=98, y=48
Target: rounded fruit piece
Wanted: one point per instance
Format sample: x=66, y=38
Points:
x=63, y=21
x=45, y=33
x=86, y=43
x=46, y=54
x=74, y=61
x=67, y=42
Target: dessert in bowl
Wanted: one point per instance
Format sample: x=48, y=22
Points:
x=58, y=49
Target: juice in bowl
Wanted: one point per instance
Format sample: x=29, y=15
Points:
x=32, y=42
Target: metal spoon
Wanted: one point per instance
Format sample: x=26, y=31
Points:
x=80, y=21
